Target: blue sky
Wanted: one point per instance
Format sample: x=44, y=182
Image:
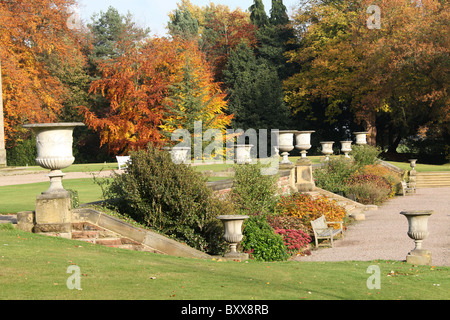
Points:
x=154, y=13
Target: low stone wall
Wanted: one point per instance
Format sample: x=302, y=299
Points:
x=223, y=187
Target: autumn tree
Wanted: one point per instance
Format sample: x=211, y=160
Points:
x=159, y=86
x=30, y=31
x=392, y=78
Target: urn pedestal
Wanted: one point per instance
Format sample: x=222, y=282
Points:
x=54, y=151
x=233, y=235
x=418, y=231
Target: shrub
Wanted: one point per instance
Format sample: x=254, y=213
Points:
x=254, y=193
x=261, y=242
x=168, y=198
x=365, y=155
x=294, y=240
x=369, y=188
x=307, y=208
x=333, y=174
x=393, y=179
x=369, y=193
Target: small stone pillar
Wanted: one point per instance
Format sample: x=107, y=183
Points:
x=413, y=174
x=53, y=214
x=292, y=174
x=304, y=175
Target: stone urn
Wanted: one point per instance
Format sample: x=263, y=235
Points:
x=242, y=153
x=233, y=234
x=412, y=163
x=286, y=144
x=303, y=139
x=346, y=148
x=418, y=231
x=54, y=150
x=327, y=149
x=361, y=138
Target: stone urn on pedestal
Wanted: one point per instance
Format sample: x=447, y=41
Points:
x=304, y=181
x=286, y=144
x=233, y=234
x=361, y=138
x=327, y=149
x=413, y=174
x=346, y=148
x=54, y=152
x=242, y=153
x=418, y=231
x=303, y=139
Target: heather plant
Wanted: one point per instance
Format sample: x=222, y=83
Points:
x=296, y=241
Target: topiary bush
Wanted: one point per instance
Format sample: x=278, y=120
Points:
x=169, y=198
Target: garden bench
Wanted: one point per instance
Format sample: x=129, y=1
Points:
x=406, y=188
x=122, y=161
x=323, y=231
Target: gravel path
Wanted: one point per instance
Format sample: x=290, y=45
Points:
x=9, y=180
x=383, y=235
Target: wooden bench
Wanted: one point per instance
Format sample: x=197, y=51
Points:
x=323, y=231
x=122, y=161
x=406, y=188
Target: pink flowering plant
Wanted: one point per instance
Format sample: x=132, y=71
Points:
x=296, y=241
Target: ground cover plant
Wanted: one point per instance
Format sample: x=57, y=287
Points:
x=35, y=267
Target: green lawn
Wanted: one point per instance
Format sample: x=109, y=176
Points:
x=18, y=198
x=422, y=167
x=35, y=267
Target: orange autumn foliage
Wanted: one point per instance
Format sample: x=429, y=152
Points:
x=138, y=84
x=30, y=31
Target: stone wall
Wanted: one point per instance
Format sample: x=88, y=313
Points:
x=223, y=187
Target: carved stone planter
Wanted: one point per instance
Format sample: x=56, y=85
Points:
x=346, y=148
x=242, y=153
x=327, y=149
x=54, y=150
x=233, y=234
x=303, y=141
x=286, y=144
x=361, y=138
x=418, y=231
x=412, y=163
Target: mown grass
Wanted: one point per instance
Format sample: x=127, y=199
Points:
x=422, y=167
x=35, y=267
x=18, y=198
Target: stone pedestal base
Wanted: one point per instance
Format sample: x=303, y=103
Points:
x=304, y=173
x=25, y=221
x=53, y=215
x=419, y=257
x=236, y=256
x=2, y=158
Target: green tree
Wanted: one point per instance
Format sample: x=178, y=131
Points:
x=183, y=24
x=258, y=14
x=255, y=94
